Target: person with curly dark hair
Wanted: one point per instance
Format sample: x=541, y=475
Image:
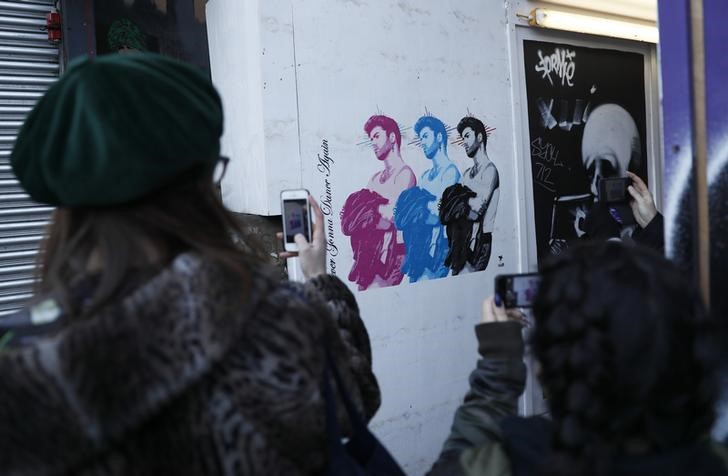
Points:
x=627, y=356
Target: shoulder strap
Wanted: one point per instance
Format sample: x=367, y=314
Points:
x=363, y=454
x=354, y=416
x=488, y=459
x=720, y=451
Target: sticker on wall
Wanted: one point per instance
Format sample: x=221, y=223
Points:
x=405, y=228
x=587, y=122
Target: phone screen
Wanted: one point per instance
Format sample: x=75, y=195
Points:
x=518, y=290
x=295, y=217
x=525, y=288
x=612, y=190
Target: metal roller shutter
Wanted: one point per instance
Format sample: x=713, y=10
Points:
x=28, y=65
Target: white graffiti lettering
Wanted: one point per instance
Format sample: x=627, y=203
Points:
x=560, y=62
x=545, y=152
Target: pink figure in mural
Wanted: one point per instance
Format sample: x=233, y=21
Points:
x=397, y=176
x=369, y=218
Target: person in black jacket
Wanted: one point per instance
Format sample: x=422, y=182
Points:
x=627, y=358
x=605, y=222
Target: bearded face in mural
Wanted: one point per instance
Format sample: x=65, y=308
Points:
x=430, y=143
x=381, y=143
x=610, y=145
x=471, y=142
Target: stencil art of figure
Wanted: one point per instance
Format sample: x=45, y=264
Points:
x=468, y=209
x=610, y=146
x=397, y=176
x=428, y=247
x=376, y=260
x=368, y=215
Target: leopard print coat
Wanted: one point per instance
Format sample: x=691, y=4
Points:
x=183, y=377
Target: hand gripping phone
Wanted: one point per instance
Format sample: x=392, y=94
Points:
x=296, y=215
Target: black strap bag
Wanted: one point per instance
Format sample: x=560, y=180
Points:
x=362, y=454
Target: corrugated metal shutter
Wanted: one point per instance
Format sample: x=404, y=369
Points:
x=28, y=65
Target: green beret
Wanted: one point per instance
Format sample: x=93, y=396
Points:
x=115, y=128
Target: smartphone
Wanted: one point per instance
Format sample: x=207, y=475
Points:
x=296, y=215
x=614, y=190
x=517, y=290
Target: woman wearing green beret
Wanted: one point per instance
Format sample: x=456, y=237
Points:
x=169, y=347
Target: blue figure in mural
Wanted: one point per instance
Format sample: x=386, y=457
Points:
x=414, y=218
x=417, y=211
x=433, y=140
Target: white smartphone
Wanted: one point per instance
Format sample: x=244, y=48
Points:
x=296, y=217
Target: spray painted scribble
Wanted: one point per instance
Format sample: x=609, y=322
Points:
x=560, y=62
x=568, y=116
x=545, y=160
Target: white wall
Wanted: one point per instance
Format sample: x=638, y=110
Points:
x=294, y=73
x=402, y=59
x=251, y=58
x=354, y=59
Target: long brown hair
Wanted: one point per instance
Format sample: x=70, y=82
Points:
x=147, y=234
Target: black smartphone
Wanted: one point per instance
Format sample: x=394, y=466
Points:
x=614, y=190
x=517, y=290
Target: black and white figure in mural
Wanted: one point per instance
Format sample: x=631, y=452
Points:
x=610, y=147
x=468, y=209
x=611, y=142
x=587, y=121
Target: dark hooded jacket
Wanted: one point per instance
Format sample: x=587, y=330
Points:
x=487, y=437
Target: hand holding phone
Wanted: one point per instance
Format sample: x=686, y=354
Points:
x=308, y=245
x=490, y=312
x=494, y=311
x=296, y=215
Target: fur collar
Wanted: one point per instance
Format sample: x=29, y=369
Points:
x=70, y=395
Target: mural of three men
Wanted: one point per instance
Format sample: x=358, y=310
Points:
x=425, y=227
x=587, y=121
